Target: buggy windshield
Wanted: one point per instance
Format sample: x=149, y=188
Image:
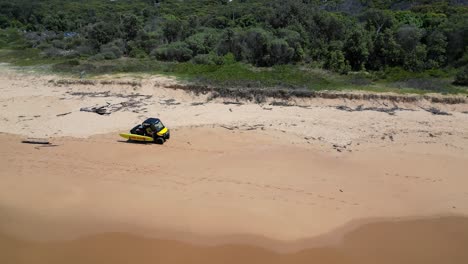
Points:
x=157, y=126
x=154, y=123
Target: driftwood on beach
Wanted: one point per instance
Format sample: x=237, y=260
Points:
x=40, y=141
x=390, y=111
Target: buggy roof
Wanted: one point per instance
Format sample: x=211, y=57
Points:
x=152, y=121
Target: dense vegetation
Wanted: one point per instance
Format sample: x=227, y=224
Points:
x=412, y=38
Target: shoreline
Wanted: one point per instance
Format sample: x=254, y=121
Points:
x=333, y=238
x=439, y=239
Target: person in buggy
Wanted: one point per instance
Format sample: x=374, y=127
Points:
x=152, y=127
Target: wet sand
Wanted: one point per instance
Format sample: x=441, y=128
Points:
x=440, y=240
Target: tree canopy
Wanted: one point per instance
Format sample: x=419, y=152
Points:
x=339, y=35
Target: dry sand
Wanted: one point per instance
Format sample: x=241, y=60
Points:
x=235, y=184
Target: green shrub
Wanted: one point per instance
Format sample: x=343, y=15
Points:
x=208, y=59
x=67, y=66
x=112, y=50
x=138, y=53
x=12, y=38
x=280, y=52
x=229, y=58
x=58, y=43
x=202, y=43
x=44, y=46
x=52, y=52
x=74, y=42
x=85, y=50
x=336, y=62
x=176, y=51
x=97, y=57
x=462, y=77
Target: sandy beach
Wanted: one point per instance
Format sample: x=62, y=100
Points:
x=238, y=182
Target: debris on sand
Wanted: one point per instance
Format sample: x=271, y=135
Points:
x=255, y=127
x=169, y=102
x=389, y=135
x=91, y=94
x=70, y=82
x=40, y=141
x=130, y=83
x=390, y=111
x=93, y=82
x=435, y=111
x=345, y=108
x=109, y=94
x=338, y=147
x=232, y=103
x=197, y=103
x=100, y=110
x=229, y=127
x=279, y=103
x=130, y=105
x=64, y=114
x=245, y=127
x=341, y=148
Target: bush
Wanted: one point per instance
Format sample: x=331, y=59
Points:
x=202, y=43
x=44, y=46
x=13, y=38
x=59, y=44
x=103, y=56
x=73, y=42
x=176, y=51
x=138, y=53
x=136, y=50
x=360, y=78
x=462, y=77
x=112, y=50
x=85, y=50
x=280, y=52
x=256, y=45
x=66, y=66
x=336, y=62
x=208, y=59
x=53, y=52
x=36, y=38
x=229, y=58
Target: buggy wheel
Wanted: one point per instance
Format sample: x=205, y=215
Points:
x=159, y=140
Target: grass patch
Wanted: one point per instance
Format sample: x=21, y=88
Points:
x=240, y=75
x=27, y=57
x=429, y=81
x=12, y=39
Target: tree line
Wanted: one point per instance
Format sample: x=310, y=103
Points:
x=340, y=35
